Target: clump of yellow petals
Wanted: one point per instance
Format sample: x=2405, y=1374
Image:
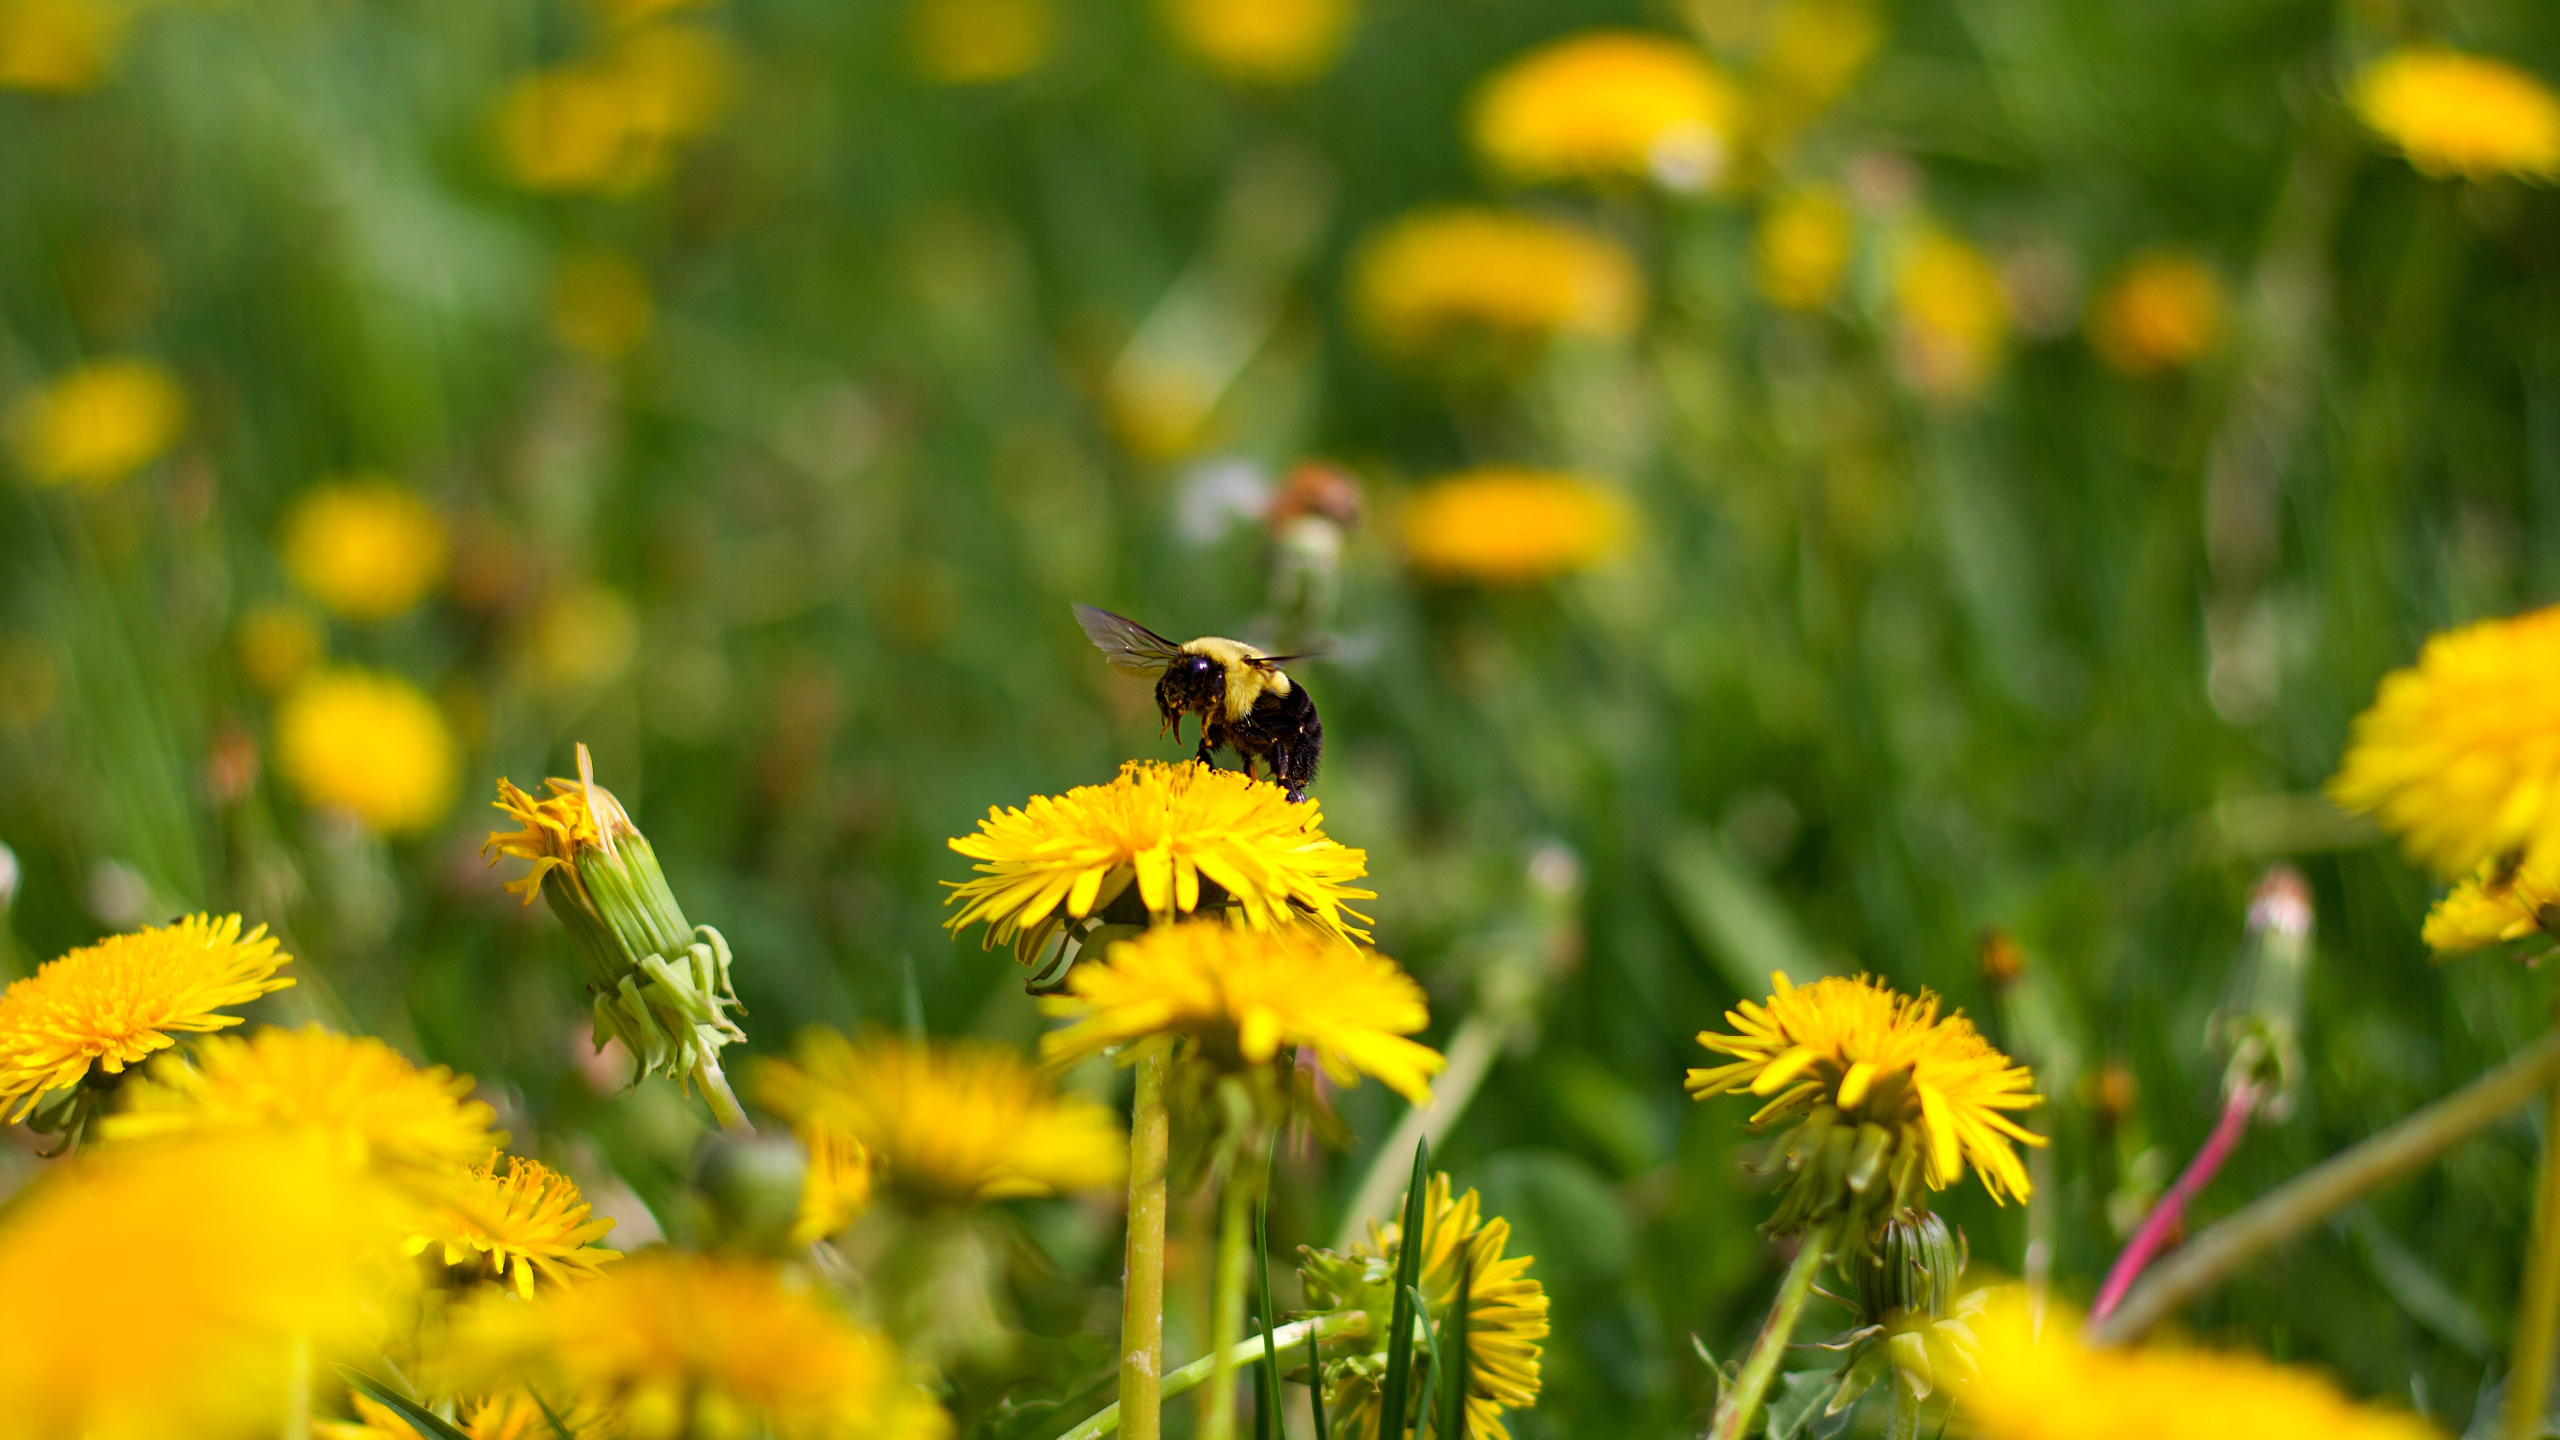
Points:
x=367, y=548
x=60, y=47
x=362, y=1100
x=944, y=1124
x=96, y=424
x=2506, y=899
x=1951, y=316
x=1238, y=997
x=2051, y=1386
x=165, y=1289
x=979, y=42
x=2462, y=115
x=1445, y=279
x=1801, y=251
x=370, y=744
x=1261, y=42
x=690, y=1345
x=1880, y=1088
x=109, y=1005
x=1609, y=105
x=613, y=122
x=834, y=1188
x=2165, y=310
x=1507, y=526
x=2459, y=754
x=516, y=1223
x=509, y=1415
x=1174, y=833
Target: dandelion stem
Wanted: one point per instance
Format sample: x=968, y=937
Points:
x=1902, y=1422
x=1142, y=1279
x=1734, y=1416
x=2164, y=1217
x=2538, y=1308
x=1322, y=1327
x=1226, y=1302
x=722, y=1100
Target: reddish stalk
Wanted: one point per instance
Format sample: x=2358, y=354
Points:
x=2164, y=1217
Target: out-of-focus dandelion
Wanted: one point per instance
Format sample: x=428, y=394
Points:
x=367, y=548
x=1801, y=251
x=580, y=637
x=1507, y=526
x=834, y=1188
x=508, y=1415
x=81, y=1020
x=277, y=645
x=1262, y=42
x=1450, y=280
x=367, y=743
x=97, y=423
x=2458, y=754
x=2453, y=114
x=979, y=42
x=1609, y=105
x=1950, y=316
x=688, y=1345
x=600, y=305
x=1810, y=52
x=514, y=1223
x=2505, y=899
x=635, y=12
x=2164, y=311
x=60, y=47
x=612, y=122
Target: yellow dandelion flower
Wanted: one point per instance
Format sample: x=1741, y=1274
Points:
x=1506, y=1312
x=107, y=1006
x=164, y=1290
x=2164, y=311
x=633, y=12
x=1239, y=997
x=835, y=1188
x=367, y=548
x=278, y=645
x=1506, y=526
x=979, y=42
x=2459, y=754
x=1883, y=1092
x=1262, y=42
x=361, y=1098
x=949, y=1124
x=1177, y=834
x=509, y=1415
x=1951, y=317
x=1448, y=280
x=2467, y=115
x=611, y=123
x=522, y=1222
x=368, y=743
x=1801, y=252
x=2506, y=899
x=581, y=637
x=600, y=305
x=96, y=424
x=1811, y=51
x=1608, y=105
x=2050, y=1386
x=690, y=1345
x=60, y=47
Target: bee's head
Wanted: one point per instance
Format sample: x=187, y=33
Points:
x=1195, y=684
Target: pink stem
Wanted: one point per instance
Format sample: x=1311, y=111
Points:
x=2164, y=1216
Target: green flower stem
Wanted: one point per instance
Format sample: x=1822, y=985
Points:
x=2538, y=1308
x=1244, y=1352
x=1226, y=1303
x=717, y=1094
x=1902, y=1422
x=2327, y=1188
x=1142, y=1278
x=1734, y=1416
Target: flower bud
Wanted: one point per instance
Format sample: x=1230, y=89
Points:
x=1910, y=1268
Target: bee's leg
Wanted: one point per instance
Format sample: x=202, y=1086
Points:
x=1244, y=760
x=1205, y=757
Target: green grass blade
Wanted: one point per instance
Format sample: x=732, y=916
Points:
x=1432, y=1369
x=425, y=1421
x=1267, y=1421
x=1394, y=1390
x=559, y=1426
x=1315, y=1383
x=1453, y=1421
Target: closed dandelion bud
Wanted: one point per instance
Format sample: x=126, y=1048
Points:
x=1912, y=1266
x=1910, y=1322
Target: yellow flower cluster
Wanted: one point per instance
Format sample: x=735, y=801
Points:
x=368, y=744
x=1801, y=252
x=1508, y=526
x=1951, y=317
x=1609, y=105
x=96, y=424
x=367, y=548
x=611, y=123
x=1444, y=281
x=1261, y=42
x=2462, y=115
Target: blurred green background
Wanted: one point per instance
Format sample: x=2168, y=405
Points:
x=771, y=433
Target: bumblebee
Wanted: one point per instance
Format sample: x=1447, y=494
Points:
x=1244, y=699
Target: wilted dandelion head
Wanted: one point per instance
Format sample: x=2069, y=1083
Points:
x=1506, y=526
x=979, y=42
x=1261, y=42
x=1951, y=316
x=2462, y=115
x=2165, y=310
x=1608, y=105
x=106, y=1006
x=60, y=47
x=513, y=1221
x=2459, y=754
x=1801, y=251
x=1173, y=834
x=1880, y=1092
x=1238, y=997
x=576, y=817
x=367, y=548
x=1441, y=280
x=96, y=424
x=944, y=1124
x=370, y=744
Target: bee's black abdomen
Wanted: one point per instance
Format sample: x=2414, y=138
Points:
x=1285, y=731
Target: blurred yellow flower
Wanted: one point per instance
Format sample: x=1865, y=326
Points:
x=521, y=1222
x=2164, y=311
x=1175, y=832
x=109, y=1005
x=581, y=637
x=1443, y=279
x=979, y=42
x=1801, y=252
x=1241, y=997
x=1810, y=51
x=60, y=47
x=166, y=1290
x=278, y=645
x=509, y=1415
x=2505, y=900
x=633, y=12
x=1951, y=317
x=600, y=305
x=945, y=1124
x=690, y=1345
x=2467, y=115
x=835, y=1188
x=370, y=744
x=1262, y=42
x=2042, y=1383
x=97, y=423
x=2459, y=755
x=1507, y=526
x=1605, y=105
x=611, y=123
x=367, y=547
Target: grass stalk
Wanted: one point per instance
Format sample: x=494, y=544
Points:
x=1269, y=1423
x=1742, y=1405
x=1397, y=1386
x=2538, y=1307
x=1142, y=1274
x=1308, y=1332
x=1226, y=1304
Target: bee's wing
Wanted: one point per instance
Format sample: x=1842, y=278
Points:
x=1125, y=643
x=1274, y=662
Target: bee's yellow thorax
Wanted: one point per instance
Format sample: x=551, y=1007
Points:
x=1245, y=680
